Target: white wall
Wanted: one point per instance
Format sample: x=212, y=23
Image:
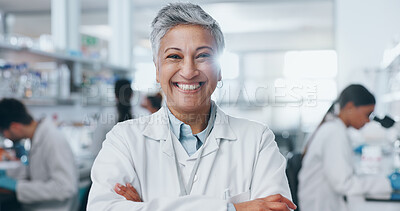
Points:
x=364, y=29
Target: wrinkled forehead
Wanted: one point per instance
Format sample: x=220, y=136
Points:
x=188, y=37
x=191, y=33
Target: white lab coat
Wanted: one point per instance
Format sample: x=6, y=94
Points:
x=328, y=173
x=50, y=181
x=240, y=162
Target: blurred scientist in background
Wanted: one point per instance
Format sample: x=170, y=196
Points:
x=327, y=175
x=152, y=103
x=50, y=181
x=123, y=95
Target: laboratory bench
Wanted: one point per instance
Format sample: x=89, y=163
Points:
x=360, y=203
x=383, y=167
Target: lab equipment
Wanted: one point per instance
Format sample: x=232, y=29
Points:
x=8, y=183
x=386, y=122
x=371, y=158
x=395, y=180
x=396, y=155
x=21, y=153
x=359, y=148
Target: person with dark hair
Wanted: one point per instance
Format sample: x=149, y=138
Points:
x=152, y=102
x=123, y=94
x=327, y=174
x=49, y=181
x=109, y=117
x=189, y=155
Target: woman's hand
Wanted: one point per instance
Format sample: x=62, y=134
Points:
x=275, y=202
x=128, y=191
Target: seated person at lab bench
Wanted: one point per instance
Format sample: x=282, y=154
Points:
x=49, y=181
x=189, y=155
x=327, y=175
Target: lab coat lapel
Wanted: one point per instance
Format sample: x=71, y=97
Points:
x=210, y=146
x=222, y=128
x=220, y=131
x=180, y=152
x=157, y=129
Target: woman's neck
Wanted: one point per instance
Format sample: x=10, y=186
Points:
x=197, y=120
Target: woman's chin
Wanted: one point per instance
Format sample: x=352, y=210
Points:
x=188, y=106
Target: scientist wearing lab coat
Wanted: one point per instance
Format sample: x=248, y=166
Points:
x=327, y=175
x=50, y=180
x=189, y=155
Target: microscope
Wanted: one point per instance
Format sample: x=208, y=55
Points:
x=388, y=122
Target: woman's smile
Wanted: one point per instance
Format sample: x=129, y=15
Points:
x=189, y=87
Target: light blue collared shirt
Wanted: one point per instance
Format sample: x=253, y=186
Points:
x=184, y=134
x=188, y=140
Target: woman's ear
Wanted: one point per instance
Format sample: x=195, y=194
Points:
x=349, y=106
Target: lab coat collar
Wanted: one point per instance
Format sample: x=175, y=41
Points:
x=157, y=127
x=222, y=128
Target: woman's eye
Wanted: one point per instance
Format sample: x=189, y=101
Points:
x=174, y=56
x=203, y=55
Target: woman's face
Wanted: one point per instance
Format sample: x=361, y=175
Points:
x=187, y=68
x=359, y=115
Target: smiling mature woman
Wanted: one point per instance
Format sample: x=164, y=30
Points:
x=189, y=155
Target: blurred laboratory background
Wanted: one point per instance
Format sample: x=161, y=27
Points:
x=284, y=64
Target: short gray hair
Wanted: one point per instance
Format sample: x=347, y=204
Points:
x=183, y=14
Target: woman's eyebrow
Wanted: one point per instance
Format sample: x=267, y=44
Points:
x=172, y=48
x=207, y=47
x=197, y=49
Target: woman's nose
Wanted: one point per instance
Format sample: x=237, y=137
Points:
x=189, y=69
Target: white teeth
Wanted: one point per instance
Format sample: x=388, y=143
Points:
x=188, y=87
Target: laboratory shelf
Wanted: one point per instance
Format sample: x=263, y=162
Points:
x=48, y=101
x=93, y=63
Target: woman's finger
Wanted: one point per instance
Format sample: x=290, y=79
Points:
x=132, y=191
x=280, y=198
x=122, y=191
x=289, y=203
x=132, y=188
x=276, y=206
x=128, y=191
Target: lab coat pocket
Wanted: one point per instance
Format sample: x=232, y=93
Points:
x=241, y=197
